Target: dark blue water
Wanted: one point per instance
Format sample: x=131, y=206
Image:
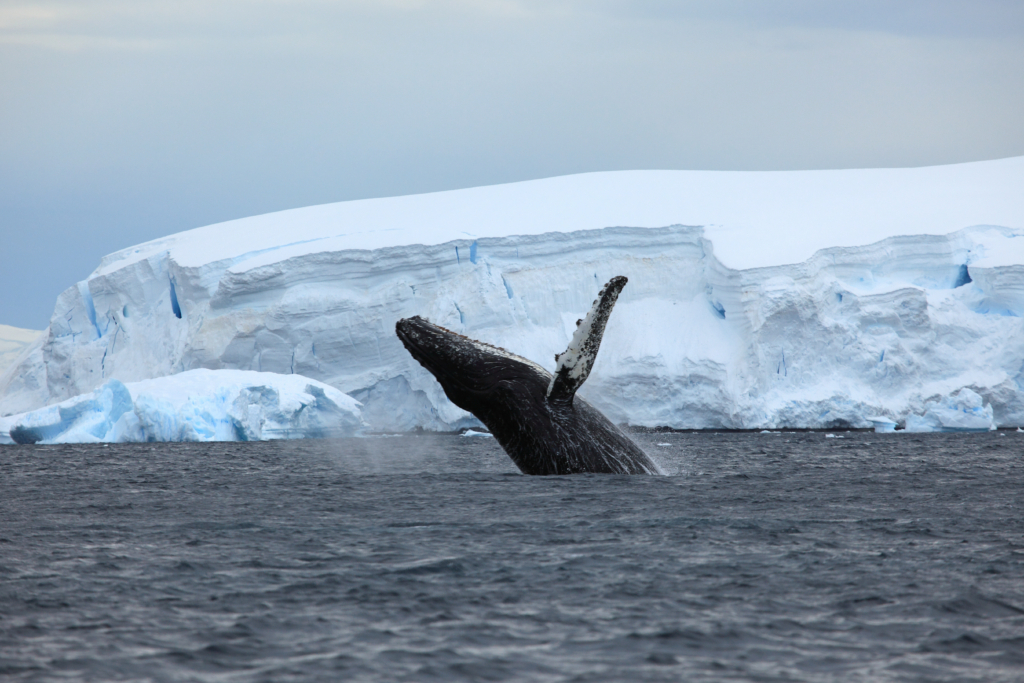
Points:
x=763, y=557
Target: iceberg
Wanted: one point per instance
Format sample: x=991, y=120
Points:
x=963, y=412
x=756, y=300
x=473, y=432
x=197, y=405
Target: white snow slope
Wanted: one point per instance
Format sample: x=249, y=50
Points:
x=755, y=299
x=197, y=405
x=13, y=342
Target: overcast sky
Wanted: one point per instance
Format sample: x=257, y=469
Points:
x=122, y=121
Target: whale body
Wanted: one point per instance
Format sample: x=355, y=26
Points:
x=535, y=415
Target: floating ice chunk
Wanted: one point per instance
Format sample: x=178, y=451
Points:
x=83, y=419
x=198, y=405
x=471, y=432
x=964, y=412
x=883, y=425
x=830, y=436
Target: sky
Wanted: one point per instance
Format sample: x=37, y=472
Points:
x=123, y=121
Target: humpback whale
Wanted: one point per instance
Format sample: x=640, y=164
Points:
x=535, y=415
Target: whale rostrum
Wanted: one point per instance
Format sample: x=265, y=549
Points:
x=535, y=415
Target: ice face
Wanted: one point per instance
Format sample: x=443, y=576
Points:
x=763, y=300
x=198, y=405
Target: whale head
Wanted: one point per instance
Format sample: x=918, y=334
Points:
x=477, y=377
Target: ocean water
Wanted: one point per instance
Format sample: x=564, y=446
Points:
x=763, y=557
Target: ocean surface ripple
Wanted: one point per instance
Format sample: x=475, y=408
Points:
x=766, y=557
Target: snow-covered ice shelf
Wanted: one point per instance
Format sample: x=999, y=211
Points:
x=755, y=300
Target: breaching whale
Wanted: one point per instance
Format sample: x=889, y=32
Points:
x=535, y=416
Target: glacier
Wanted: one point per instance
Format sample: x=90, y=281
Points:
x=756, y=300
x=196, y=405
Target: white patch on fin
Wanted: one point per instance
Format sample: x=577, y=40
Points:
x=574, y=364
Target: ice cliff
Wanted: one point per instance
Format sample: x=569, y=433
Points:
x=755, y=299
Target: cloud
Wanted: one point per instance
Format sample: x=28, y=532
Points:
x=947, y=18
x=106, y=24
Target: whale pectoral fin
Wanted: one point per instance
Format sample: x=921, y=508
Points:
x=573, y=364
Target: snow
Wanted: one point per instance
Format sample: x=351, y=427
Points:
x=198, y=405
x=755, y=300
